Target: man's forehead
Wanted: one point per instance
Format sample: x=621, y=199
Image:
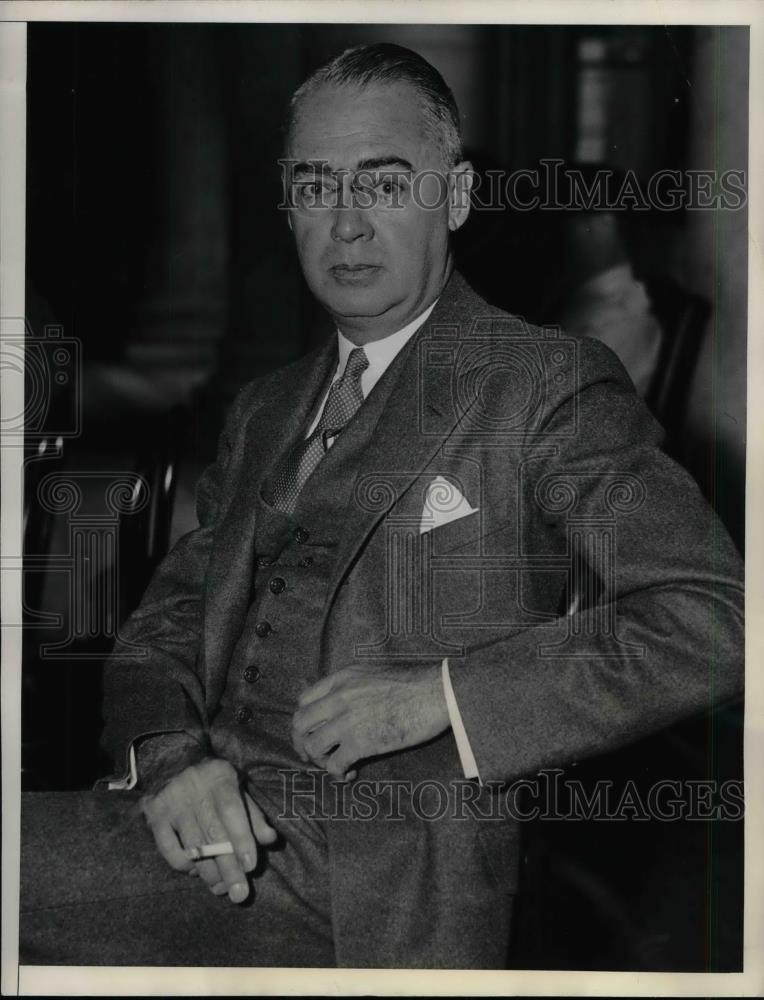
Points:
x=349, y=127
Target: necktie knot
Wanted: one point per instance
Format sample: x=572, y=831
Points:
x=357, y=363
x=345, y=395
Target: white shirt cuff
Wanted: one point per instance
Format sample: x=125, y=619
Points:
x=129, y=782
x=466, y=756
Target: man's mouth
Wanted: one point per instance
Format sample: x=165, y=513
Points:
x=353, y=272
x=354, y=267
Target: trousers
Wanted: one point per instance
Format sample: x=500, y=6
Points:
x=337, y=890
x=95, y=891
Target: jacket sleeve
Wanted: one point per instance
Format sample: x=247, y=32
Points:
x=547, y=696
x=151, y=681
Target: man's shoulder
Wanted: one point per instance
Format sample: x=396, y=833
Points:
x=263, y=389
x=475, y=320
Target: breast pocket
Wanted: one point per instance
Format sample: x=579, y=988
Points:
x=460, y=535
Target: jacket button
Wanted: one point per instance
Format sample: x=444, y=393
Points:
x=300, y=535
x=244, y=715
x=306, y=561
x=277, y=585
x=251, y=674
x=262, y=629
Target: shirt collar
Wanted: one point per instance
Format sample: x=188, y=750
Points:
x=380, y=353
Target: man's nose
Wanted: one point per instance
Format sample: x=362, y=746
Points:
x=351, y=223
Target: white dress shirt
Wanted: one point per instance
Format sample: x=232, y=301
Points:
x=381, y=354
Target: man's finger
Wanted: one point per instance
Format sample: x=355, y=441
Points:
x=318, y=690
x=318, y=743
x=192, y=835
x=222, y=817
x=315, y=714
x=225, y=867
x=170, y=847
x=338, y=763
x=263, y=831
x=236, y=826
x=232, y=874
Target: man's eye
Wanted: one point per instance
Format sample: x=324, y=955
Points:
x=388, y=184
x=389, y=189
x=312, y=193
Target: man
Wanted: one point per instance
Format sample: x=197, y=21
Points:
x=382, y=589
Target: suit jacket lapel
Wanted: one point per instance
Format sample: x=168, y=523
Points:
x=419, y=416
x=280, y=420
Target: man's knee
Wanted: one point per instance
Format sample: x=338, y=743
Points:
x=83, y=846
x=90, y=878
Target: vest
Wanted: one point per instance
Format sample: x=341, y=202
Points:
x=278, y=654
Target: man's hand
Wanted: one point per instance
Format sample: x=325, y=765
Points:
x=204, y=804
x=357, y=713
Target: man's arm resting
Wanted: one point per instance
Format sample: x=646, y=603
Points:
x=354, y=714
x=151, y=681
x=162, y=757
x=675, y=591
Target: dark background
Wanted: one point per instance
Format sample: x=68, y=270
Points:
x=153, y=238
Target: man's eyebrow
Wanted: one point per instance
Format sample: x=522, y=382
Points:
x=378, y=162
x=313, y=167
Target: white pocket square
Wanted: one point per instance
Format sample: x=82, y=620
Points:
x=444, y=502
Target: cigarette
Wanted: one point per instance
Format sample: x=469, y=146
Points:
x=209, y=850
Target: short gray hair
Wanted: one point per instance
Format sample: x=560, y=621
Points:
x=388, y=63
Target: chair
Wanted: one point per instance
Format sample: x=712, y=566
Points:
x=144, y=531
x=683, y=317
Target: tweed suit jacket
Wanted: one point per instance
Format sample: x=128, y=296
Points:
x=590, y=597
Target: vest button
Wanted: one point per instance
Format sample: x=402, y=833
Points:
x=251, y=674
x=244, y=714
x=301, y=535
x=277, y=585
x=306, y=561
x=264, y=561
x=262, y=629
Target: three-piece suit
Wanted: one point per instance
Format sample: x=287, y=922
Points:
x=499, y=501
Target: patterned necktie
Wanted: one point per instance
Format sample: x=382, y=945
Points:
x=342, y=401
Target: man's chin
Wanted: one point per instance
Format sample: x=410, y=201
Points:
x=360, y=297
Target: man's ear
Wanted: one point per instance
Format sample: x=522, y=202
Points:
x=459, y=186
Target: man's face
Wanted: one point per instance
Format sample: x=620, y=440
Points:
x=372, y=206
